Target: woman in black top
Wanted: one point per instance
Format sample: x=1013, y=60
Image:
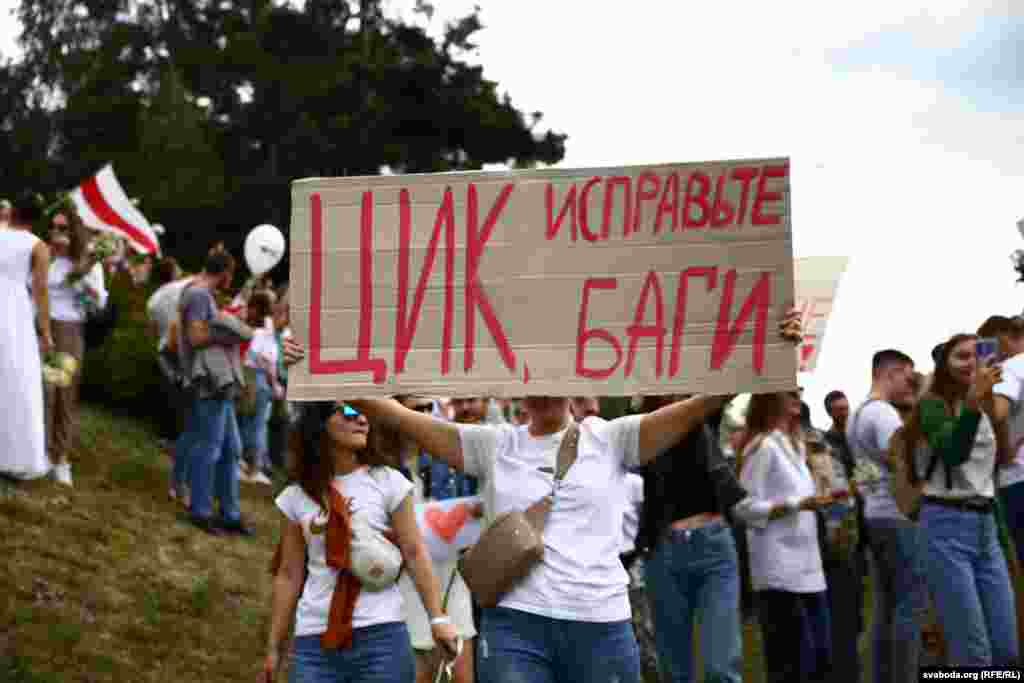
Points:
x=691, y=567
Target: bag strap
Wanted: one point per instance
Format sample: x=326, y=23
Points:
x=567, y=450
x=856, y=417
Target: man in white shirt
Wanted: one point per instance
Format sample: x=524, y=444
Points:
x=900, y=591
x=1009, y=400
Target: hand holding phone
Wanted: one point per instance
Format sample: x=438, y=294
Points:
x=986, y=350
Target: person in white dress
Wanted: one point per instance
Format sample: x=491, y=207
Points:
x=24, y=261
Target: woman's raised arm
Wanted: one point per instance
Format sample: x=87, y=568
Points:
x=440, y=439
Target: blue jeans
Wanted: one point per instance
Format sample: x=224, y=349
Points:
x=519, y=647
x=379, y=654
x=900, y=598
x=694, y=576
x=1012, y=498
x=968, y=576
x=253, y=428
x=214, y=460
x=797, y=636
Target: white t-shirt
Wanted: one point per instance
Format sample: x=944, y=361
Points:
x=631, y=513
x=784, y=552
x=580, y=577
x=375, y=494
x=162, y=307
x=970, y=479
x=64, y=299
x=1012, y=387
x=264, y=343
x=875, y=425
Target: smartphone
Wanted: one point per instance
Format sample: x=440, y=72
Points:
x=986, y=349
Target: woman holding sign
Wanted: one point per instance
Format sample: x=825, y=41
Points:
x=569, y=618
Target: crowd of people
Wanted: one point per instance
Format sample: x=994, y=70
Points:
x=668, y=522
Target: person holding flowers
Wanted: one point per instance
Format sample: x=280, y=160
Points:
x=76, y=289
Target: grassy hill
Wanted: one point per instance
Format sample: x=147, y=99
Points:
x=104, y=582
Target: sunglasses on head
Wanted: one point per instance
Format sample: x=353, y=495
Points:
x=346, y=410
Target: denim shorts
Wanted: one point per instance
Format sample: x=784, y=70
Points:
x=379, y=654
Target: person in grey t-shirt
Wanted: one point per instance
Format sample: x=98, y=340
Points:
x=213, y=443
x=900, y=590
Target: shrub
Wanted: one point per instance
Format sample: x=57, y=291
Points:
x=122, y=373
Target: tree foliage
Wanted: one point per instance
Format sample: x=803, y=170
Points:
x=209, y=108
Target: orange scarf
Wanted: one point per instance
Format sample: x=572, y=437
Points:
x=338, y=556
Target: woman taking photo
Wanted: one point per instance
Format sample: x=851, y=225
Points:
x=957, y=446
x=345, y=630
x=785, y=560
x=76, y=286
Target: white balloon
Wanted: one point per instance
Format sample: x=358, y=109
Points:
x=264, y=249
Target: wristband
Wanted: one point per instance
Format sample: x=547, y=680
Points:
x=443, y=619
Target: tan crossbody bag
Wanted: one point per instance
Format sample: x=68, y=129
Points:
x=514, y=543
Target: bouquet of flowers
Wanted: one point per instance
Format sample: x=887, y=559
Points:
x=103, y=246
x=866, y=474
x=59, y=368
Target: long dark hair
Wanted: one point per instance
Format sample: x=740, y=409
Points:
x=309, y=462
x=943, y=386
x=259, y=307
x=78, y=235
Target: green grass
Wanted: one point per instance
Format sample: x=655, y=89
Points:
x=103, y=583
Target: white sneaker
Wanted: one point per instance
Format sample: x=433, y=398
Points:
x=62, y=473
x=260, y=478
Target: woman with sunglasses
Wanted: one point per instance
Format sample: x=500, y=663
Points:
x=343, y=630
x=569, y=619
x=75, y=284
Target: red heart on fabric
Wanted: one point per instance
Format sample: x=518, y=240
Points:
x=806, y=351
x=447, y=523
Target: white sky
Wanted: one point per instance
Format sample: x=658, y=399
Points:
x=903, y=121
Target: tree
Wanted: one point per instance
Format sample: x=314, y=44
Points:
x=251, y=95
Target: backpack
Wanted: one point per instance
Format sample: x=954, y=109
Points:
x=905, y=486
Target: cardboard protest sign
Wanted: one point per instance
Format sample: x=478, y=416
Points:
x=817, y=279
x=601, y=282
x=448, y=526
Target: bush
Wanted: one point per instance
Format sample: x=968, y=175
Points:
x=122, y=374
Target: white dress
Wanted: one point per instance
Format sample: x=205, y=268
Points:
x=22, y=438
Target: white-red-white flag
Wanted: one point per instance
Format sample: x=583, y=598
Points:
x=103, y=205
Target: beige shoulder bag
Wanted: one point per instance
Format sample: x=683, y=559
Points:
x=514, y=543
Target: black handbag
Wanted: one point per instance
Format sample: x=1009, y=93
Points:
x=99, y=325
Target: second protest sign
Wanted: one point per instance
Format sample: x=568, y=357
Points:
x=611, y=282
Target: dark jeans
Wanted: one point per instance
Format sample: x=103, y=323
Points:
x=1012, y=499
x=748, y=604
x=379, y=654
x=528, y=648
x=796, y=635
x=846, y=615
x=900, y=593
x=693, y=578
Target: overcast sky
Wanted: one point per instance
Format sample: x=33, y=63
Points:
x=904, y=122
